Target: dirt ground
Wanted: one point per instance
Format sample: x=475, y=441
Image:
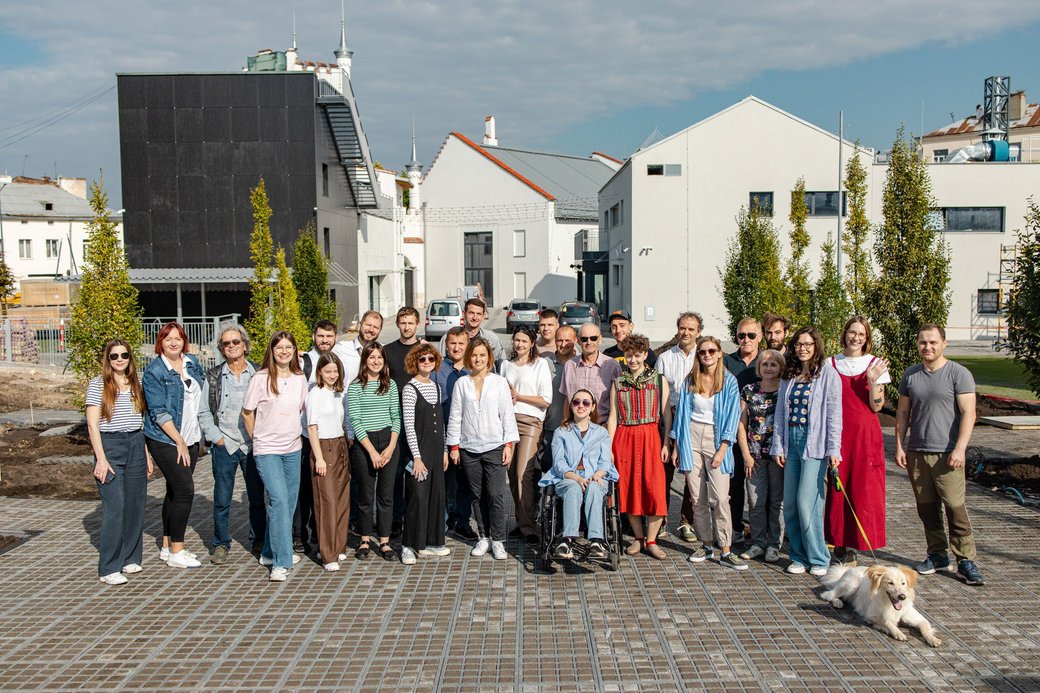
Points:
x=42, y=387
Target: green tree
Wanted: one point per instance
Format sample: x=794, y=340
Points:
x=752, y=282
x=796, y=275
x=831, y=307
x=106, y=306
x=287, y=306
x=854, y=238
x=310, y=276
x=912, y=282
x=260, y=293
x=1023, y=303
x=7, y=284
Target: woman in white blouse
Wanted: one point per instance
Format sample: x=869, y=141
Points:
x=530, y=384
x=481, y=434
x=330, y=476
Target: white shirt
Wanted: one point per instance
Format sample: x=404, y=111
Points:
x=675, y=365
x=703, y=409
x=852, y=366
x=326, y=410
x=533, y=378
x=484, y=424
x=350, y=354
x=189, y=429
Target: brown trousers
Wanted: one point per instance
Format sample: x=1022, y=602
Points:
x=525, y=471
x=332, y=498
x=937, y=486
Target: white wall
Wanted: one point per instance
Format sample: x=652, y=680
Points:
x=38, y=232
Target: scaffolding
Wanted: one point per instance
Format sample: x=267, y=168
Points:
x=1005, y=285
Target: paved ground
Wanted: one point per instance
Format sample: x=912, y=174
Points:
x=475, y=624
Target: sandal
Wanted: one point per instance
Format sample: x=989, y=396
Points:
x=655, y=551
x=387, y=552
x=362, y=551
x=635, y=547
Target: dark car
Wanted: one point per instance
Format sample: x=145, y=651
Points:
x=577, y=313
x=522, y=311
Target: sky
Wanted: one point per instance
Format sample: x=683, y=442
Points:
x=570, y=77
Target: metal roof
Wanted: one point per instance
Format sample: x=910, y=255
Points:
x=563, y=176
x=31, y=199
x=338, y=275
x=974, y=123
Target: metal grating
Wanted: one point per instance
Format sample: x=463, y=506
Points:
x=346, y=127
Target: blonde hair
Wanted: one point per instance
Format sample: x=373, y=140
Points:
x=776, y=357
x=694, y=379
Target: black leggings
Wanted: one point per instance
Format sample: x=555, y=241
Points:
x=374, y=485
x=180, y=486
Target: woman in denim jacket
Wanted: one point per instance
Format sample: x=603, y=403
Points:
x=173, y=390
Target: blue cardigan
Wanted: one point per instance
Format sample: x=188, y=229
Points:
x=568, y=446
x=725, y=410
x=823, y=436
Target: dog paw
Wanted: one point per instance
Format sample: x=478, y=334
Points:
x=837, y=604
x=899, y=635
x=932, y=640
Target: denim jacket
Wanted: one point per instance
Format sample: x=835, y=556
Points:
x=164, y=393
x=569, y=448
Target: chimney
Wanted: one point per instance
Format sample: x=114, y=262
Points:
x=74, y=186
x=1017, y=106
x=489, y=132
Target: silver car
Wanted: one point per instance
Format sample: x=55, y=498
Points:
x=522, y=311
x=442, y=315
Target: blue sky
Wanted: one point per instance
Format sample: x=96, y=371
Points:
x=572, y=77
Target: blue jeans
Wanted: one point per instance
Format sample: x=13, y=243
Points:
x=225, y=468
x=574, y=502
x=804, y=487
x=122, y=502
x=281, y=476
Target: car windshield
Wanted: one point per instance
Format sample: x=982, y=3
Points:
x=440, y=310
x=526, y=305
x=576, y=311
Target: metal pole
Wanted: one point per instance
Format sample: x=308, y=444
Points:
x=841, y=201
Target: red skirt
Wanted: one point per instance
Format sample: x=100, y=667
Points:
x=637, y=456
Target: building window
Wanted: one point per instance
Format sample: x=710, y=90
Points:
x=616, y=274
x=939, y=155
x=25, y=249
x=326, y=241
x=52, y=247
x=825, y=204
x=325, y=180
x=673, y=169
x=761, y=201
x=1015, y=151
x=655, y=169
x=606, y=221
x=982, y=219
x=520, y=243
x=664, y=169
x=987, y=302
x=48, y=206
x=617, y=214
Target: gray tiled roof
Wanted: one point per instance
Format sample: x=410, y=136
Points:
x=29, y=199
x=563, y=176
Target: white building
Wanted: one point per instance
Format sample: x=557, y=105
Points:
x=670, y=213
x=507, y=218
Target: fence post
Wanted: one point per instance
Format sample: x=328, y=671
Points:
x=8, y=351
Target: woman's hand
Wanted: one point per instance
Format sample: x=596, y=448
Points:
x=779, y=460
x=666, y=454
x=749, y=467
x=876, y=370
x=716, y=459
x=419, y=470
x=675, y=455
x=102, y=469
x=835, y=461
x=507, y=455
x=454, y=456
x=220, y=442
x=183, y=456
x=149, y=462
x=513, y=394
x=445, y=461
x=598, y=478
x=320, y=468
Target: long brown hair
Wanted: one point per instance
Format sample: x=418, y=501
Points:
x=384, y=374
x=324, y=360
x=110, y=389
x=794, y=364
x=269, y=363
x=568, y=412
x=694, y=380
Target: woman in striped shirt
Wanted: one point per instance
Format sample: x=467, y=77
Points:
x=375, y=419
x=115, y=403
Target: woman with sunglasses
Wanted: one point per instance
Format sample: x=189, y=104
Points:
x=271, y=413
x=375, y=418
x=807, y=436
x=173, y=392
x=424, y=483
x=530, y=384
x=637, y=424
x=707, y=417
x=481, y=434
x=115, y=403
x=581, y=470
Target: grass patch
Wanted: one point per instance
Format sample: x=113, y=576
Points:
x=997, y=375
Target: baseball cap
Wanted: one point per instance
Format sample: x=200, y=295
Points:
x=620, y=313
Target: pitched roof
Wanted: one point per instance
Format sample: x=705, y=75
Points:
x=974, y=123
x=31, y=200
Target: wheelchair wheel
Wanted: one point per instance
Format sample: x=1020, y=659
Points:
x=613, y=528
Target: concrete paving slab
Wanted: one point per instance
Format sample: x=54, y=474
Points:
x=41, y=417
x=1013, y=423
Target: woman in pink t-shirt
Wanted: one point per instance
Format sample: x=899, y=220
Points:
x=271, y=413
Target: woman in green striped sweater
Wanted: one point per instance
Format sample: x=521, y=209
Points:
x=375, y=418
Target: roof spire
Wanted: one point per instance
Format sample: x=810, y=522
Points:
x=294, y=30
x=343, y=51
x=414, y=158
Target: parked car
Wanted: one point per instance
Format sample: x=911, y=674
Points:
x=442, y=315
x=522, y=311
x=576, y=313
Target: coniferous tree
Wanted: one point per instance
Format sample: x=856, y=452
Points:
x=797, y=274
x=260, y=293
x=106, y=306
x=752, y=282
x=287, y=306
x=7, y=284
x=310, y=276
x=854, y=237
x=1023, y=303
x=831, y=307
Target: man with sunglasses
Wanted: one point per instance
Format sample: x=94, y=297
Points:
x=591, y=370
x=230, y=447
x=741, y=363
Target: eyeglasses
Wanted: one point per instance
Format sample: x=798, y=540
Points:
x=118, y=356
x=707, y=352
x=592, y=338
x=804, y=346
x=231, y=342
x=581, y=402
x=747, y=335
x=427, y=358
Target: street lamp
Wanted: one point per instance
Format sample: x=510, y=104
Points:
x=2, y=257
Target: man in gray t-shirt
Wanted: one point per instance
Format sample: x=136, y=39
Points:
x=937, y=406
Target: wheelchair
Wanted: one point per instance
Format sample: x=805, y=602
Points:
x=551, y=528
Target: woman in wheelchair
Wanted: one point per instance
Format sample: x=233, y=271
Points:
x=581, y=470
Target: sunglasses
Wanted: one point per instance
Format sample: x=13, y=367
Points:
x=427, y=358
x=231, y=342
x=707, y=352
x=593, y=338
x=581, y=402
x=747, y=335
x=118, y=356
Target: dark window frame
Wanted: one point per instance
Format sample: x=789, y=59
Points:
x=755, y=200
x=987, y=302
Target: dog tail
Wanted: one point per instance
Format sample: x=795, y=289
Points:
x=834, y=574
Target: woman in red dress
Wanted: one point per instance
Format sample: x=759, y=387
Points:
x=635, y=425
x=862, y=471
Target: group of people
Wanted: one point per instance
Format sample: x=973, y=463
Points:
x=411, y=439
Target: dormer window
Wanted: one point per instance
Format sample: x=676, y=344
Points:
x=48, y=206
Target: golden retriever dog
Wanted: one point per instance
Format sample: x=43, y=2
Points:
x=882, y=595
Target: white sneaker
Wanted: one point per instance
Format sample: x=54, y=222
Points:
x=435, y=551
x=407, y=556
x=498, y=551
x=772, y=554
x=113, y=579
x=796, y=569
x=818, y=571
x=332, y=567
x=270, y=561
x=164, y=554
x=279, y=574
x=752, y=553
x=131, y=568
x=342, y=557
x=483, y=544
x=182, y=559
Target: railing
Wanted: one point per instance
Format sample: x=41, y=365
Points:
x=202, y=334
